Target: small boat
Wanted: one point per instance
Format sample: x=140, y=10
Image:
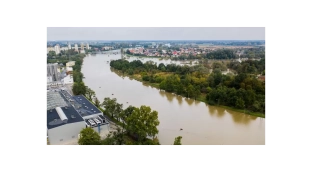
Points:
x=112, y=94
x=181, y=129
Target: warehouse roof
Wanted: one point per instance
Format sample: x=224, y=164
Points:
x=74, y=108
x=60, y=99
x=85, y=106
x=54, y=120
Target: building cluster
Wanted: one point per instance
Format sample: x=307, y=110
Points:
x=165, y=53
x=67, y=115
x=57, y=49
x=59, y=74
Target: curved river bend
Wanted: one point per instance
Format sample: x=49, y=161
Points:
x=201, y=123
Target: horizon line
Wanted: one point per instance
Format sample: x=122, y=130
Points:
x=160, y=40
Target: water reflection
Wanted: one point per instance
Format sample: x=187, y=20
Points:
x=211, y=110
x=162, y=93
x=180, y=100
x=189, y=101
x=169, y=96
x=145, y=84
x=220, y=112
x=241, y=118
x=197, y=102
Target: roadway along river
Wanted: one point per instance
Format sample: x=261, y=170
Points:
x=201, y=124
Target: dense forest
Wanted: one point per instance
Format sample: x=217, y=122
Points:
x=248, y=67
x=241, y=91
x=221, y=54
x=254, y=53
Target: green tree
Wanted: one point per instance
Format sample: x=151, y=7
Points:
x=79, y=88
x=112, y=107
x=97, y=102
x=51, y=54
x=177, y=140
x=125, y=114
x=196, y=92
x=240, y=103
x=144, y=122
x=89, y=137
x=190, y=90
x=89, y=93
x=163, y=85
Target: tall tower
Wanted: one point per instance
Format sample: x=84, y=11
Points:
x=76, y=47
x=69, y=46
x=52, y=72
x=57, y=49
x=87, y=46
x=81, y=46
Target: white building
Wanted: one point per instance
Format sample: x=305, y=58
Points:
x=69, y=46
x=82, y=47
x=64, y=48
x=57, y=49
x=82, y=51
x=76, y=47
x=168, y=44
x=64, y=122
x=69, y=69
x=68, y=79
x=70, y=63
x=50, y=49
x=87, y=46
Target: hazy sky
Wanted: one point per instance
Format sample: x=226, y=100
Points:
x=156, y=33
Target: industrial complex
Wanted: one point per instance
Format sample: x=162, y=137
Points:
x=57, y=74
x=67, y=115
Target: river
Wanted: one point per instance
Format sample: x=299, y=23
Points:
x=201, y=123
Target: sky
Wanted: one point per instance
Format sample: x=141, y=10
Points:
x=155, y=33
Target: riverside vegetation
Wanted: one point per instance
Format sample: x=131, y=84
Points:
x=134, y=125
x=243, y=91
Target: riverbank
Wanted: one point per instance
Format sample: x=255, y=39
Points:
x=201, y=98
x=147, y=56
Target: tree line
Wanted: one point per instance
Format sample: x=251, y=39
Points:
x=135, y=125
x=221, y=54
x=248, y=67
x=254, y=53
x=242, y=91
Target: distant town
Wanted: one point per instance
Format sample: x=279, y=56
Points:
x=179, y=50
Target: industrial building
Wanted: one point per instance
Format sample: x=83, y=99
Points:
x=67, y=115
x=52, y=72
x=70, y=63
x=68, y=79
